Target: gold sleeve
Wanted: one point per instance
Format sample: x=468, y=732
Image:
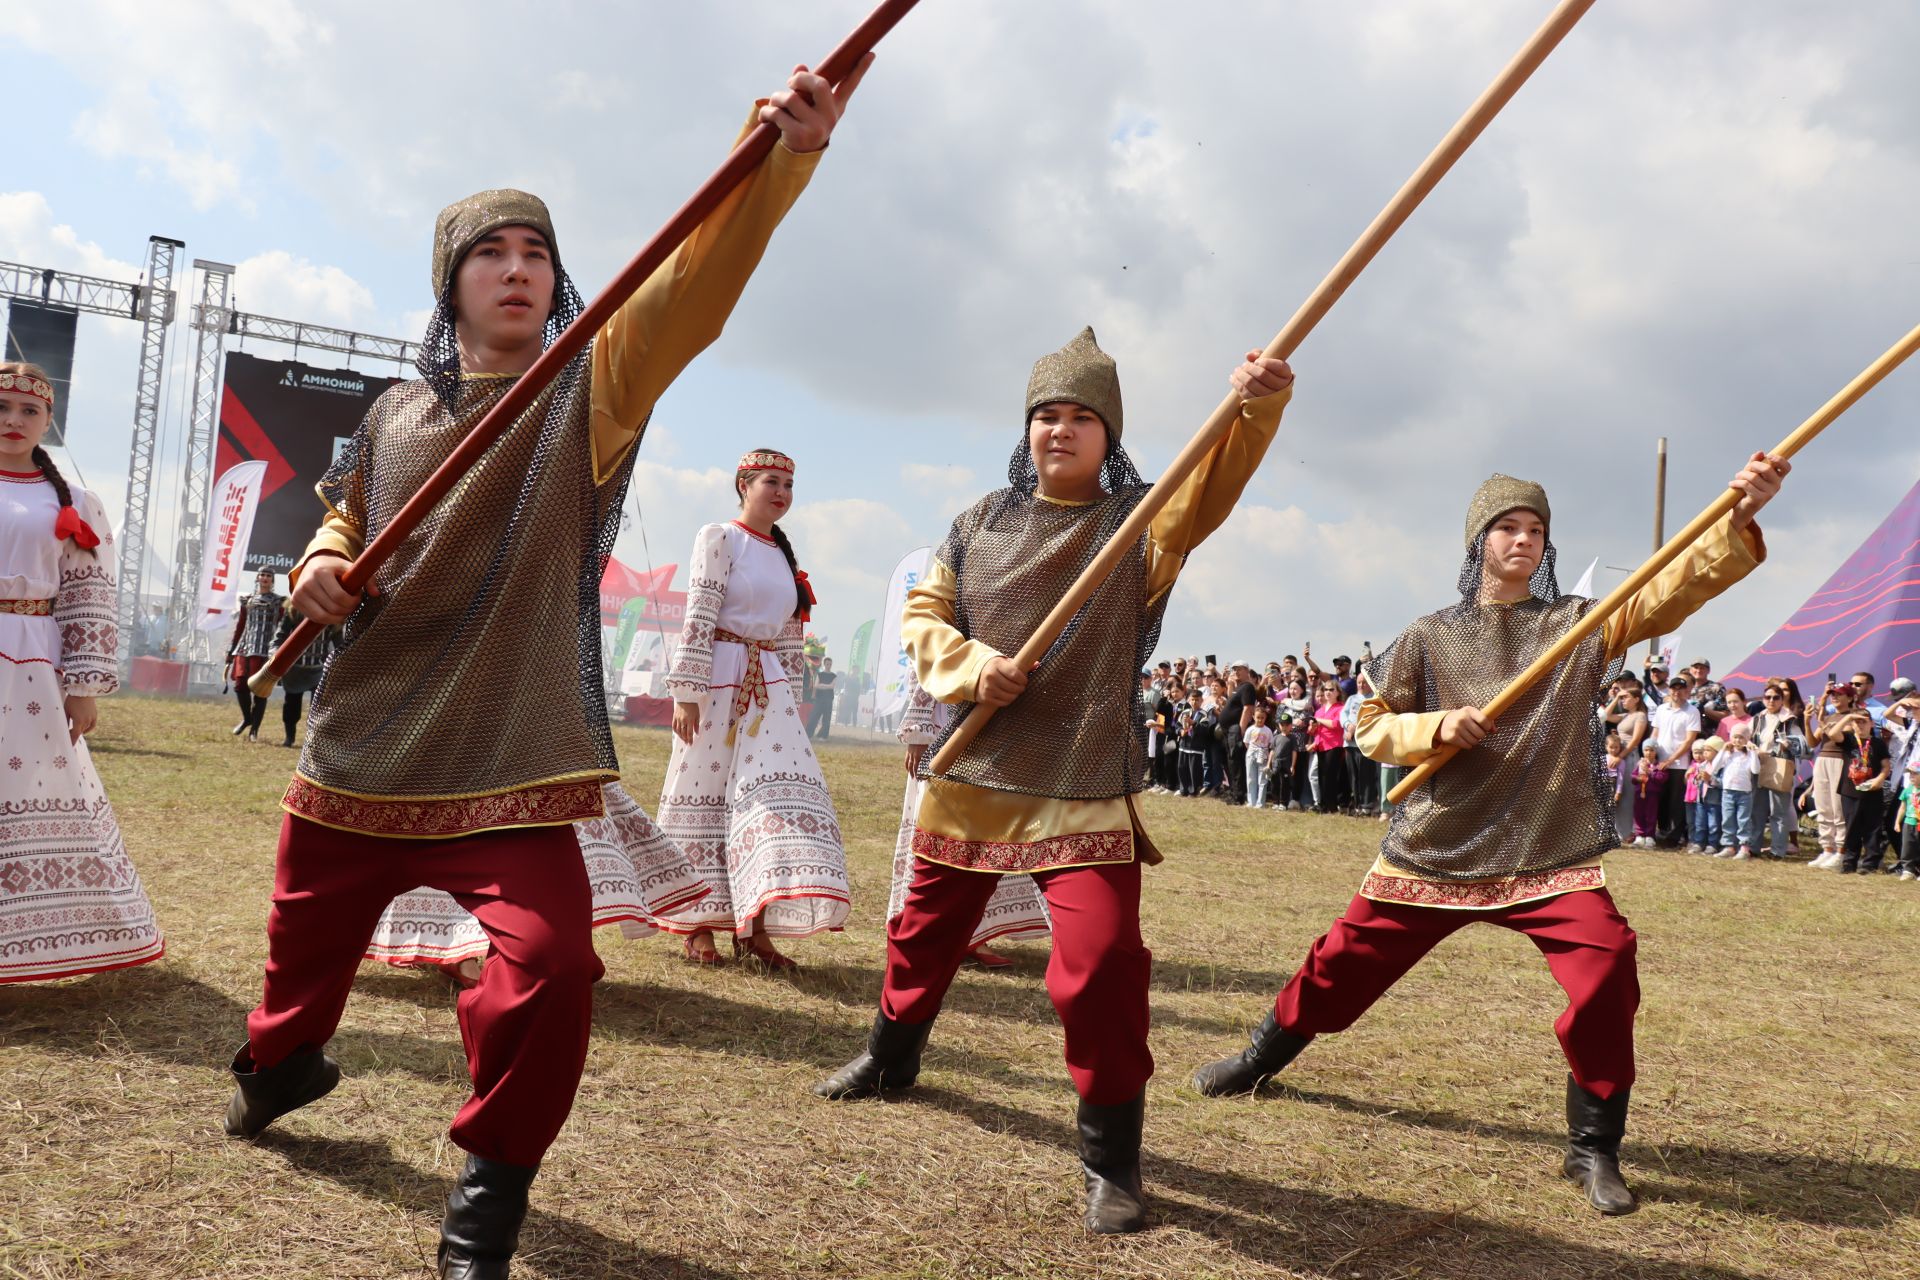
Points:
x=1206, y=498
x=946, y=663
x=337, y=536
x=683, y=305
x=1718, y=560
x=1402, y=738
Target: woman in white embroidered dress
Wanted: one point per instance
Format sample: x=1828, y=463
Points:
x=638, y=877
x=743, y=795
x=70, y=900
x=1016, y=910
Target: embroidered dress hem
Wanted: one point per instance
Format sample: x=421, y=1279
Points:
x=146, y=955
x=636, y=873
x=554, y=803
x=1481, y=895
x=1079, y=849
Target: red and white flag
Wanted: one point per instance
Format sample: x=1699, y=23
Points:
x=223, y=555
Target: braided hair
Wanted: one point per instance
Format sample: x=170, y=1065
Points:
x=41, y=458
x=785, y=544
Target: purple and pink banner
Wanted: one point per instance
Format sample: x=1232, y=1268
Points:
x=1865, y=618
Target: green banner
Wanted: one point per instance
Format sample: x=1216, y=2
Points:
x=630, y=615
x=858, y=655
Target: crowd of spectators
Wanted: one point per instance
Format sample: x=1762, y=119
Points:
x=1693, y=764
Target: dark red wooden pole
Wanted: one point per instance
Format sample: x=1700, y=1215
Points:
x=743, y=160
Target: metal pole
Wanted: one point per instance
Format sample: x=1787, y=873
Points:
x=1659, y=520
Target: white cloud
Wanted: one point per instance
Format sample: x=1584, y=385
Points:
x=1674, y=229
x=279, y=284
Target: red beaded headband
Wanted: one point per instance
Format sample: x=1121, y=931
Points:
x=764, y=461
x=40, y=390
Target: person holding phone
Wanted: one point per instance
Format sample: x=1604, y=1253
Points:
x=1836, y=725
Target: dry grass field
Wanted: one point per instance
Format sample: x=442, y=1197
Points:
x=1776, y=1130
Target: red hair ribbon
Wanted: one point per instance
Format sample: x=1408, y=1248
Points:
x=70, y=525
x=800, y=576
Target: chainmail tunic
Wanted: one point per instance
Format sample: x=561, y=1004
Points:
x=475, y=664
x=262, y=613
x=1534, y=795
x=1074, y=734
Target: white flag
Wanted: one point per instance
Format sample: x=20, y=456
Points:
x=891, y=681
x=1584, y=587
x=223, y=546
x=1670, y=650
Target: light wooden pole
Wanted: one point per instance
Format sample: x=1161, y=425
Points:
x=1659, y=520
x=1597, y=617
x=1318, y=303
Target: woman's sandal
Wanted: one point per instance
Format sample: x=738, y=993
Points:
x=464, y=974
x=761, y=951
x=987, y=958
x=707, y=956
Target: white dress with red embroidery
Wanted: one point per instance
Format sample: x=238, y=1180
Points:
x=1016, y=910
x=637, y=874
x=70, y=900
x=746, y=801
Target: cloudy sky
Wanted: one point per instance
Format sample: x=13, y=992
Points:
x=1696, y=221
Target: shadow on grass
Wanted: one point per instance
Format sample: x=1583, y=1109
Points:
x=161, y=1013
x=1310, y=1232
x=1797, y=1185
x=858, y=986
x=550, y=1245
x=112, y=748
x=713, y=1023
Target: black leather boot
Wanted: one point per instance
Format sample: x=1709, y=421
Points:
x=245, y=699
x=1110, y=1159
x=263, y=1096
x=891, y=1061
x=482, y=1226
x=1270, y=1050
x=1595, y=1126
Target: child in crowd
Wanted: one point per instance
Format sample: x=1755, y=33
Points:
x=1196, y=733
x=1259, y=740
x=1735, y=769
x=1909, y=821
x=1620, y=769
x=1703, y=805
x=1649, y=780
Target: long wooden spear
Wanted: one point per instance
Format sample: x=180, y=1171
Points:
x=740, y=162
x=1318, y=303
x=1618, y=597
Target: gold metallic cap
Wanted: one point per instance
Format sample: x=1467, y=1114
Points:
x=1080, y=373
x=462, y=223
x=1501, y=494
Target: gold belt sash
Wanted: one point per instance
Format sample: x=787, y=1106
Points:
x=28, y=608
x=753, y=684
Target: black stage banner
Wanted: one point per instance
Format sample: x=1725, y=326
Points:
x=43, y=335
x=296, y=419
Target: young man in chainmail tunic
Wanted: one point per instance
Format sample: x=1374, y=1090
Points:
x=1511, y=832
x=461, y=728
x=1047, y=788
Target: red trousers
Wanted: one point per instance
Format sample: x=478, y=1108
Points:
x=1584, y=937
x=525, y=1026
x=1097, y=976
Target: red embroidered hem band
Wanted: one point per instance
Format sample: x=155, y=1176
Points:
x=545, y=805
x=28, y=608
